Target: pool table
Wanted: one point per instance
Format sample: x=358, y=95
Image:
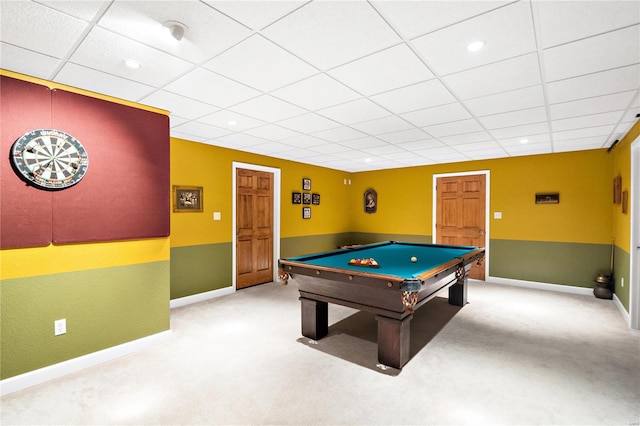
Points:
x=391, y=279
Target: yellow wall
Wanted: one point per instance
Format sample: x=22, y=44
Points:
x=196, y=164
x=622, y=167
x=581, y=178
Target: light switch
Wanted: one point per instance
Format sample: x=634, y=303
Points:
x=497, y=215
x=216, y=215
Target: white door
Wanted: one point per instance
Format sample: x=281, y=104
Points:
x=634, y=286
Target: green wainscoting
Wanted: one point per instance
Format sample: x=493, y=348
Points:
x=297, y=246
x=572, y=264
x=622, y=269
x=103, y=308
x=369, y=238
x=201, y=268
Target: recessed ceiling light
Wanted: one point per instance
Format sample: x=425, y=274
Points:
x=132, y=63
x=231, y=122
x=475, y=46
x=523, y=141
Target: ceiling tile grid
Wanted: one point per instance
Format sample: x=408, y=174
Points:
x=353, y=85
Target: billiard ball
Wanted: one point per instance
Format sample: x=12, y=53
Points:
x=414, y=259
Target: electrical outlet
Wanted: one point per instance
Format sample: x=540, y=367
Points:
x=59, y=327
x=621, y=281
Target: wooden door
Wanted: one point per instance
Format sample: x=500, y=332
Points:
x=460, y=214
x=254, y=223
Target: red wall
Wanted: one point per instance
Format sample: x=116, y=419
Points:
x=125, y=193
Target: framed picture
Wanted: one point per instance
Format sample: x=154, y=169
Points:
x=552, y=198
x=306, y=212
x=315, y=199
x=625, y=201
x=306, y=184
x=617, y=190
x=370, y=201
x=296, y=198
x=306, y=198
x=187, y=199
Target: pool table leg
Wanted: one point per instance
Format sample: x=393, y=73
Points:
x=458, y=291
x=315, y=318
x=393, y=341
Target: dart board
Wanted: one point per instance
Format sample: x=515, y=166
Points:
x=50, y=159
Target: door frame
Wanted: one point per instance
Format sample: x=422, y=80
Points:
x=487, y=192
x=634, y=271
x=276, y=215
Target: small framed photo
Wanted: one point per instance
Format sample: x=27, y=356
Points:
x=617, y=190
x=296, y=198
x=306, y=212
x=315, y=199
x=187, y=199
x=306, y=198
x=370, y=201
x=306, y=184
x=548, y=198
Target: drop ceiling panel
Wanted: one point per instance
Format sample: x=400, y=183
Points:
x=615, y=102
x=389, y=69
x=466, y=138
x=404, y=136
x=453, y=128
x=418, y=96
x=107, y=51
x=414, y=18
x=512, y=100
x=339, y=134
x=601, y=83
x=231, y=121
x=514, y=118
x=178, y=105
x=208, y=87
x=583, y=133
x=586, y=121
x=99, y=82
x=143, y=21
x=29, y=62
x=521, y=131
x=511, y=74
x=272, y=132
x=85, y=10
x=260, y=64
x=317, y=92
x=268, y=108
x=506, y=32
x=565, y=21
x=201, y=130
x=593, y=54
x=255, y=14
x=328, y=34
x=382, y=125
x=437, y=115
x=309, y=123
x=36, y=27
x=355, y=112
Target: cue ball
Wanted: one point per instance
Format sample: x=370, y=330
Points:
x=414, y=259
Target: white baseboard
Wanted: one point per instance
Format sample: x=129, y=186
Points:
x=542, y=286
x=621, y=309
x=561, y=288
x=201, y=297
x=36, y=377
